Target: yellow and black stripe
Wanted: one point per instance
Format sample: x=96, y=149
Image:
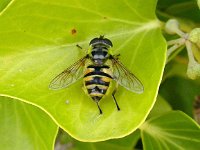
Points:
x=97, y=81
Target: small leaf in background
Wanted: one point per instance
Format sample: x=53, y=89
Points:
x=64, y=141
x=198, y=2
x=125, y=143
x=173, y=130
x=38, y=40
x=180, y=93
x=176, y=67
x=161, y=106
x=25, y=127
x=184, y=9
x=4, y=4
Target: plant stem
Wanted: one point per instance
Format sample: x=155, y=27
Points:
x=173, y=48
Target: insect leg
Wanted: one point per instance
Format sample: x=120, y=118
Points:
x=100, y=111
x=79, y=46
x=116, y=56
x=113, y=95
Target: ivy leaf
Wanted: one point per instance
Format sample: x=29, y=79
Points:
x=173, y=130
x=160, y=107
x=184, y=93
x=23, y=126
x=4, y=4
x=38, y=41
x=126, y=143
x=185, y=9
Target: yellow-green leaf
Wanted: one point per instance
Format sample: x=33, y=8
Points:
x=25, y=127
x=173, y=130
x=38, y=40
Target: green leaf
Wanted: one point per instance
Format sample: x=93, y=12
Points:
x=174, y=130
x=160, y=107
x=23, y=126
x=198, y=2
x=184, y=92
x=126, y=143
x=38, y=41
x=4, y=4
x=176, y=67
x=184, y=9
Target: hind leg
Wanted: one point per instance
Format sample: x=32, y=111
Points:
x=100, y=111
x=95, y=98
x=113, y=95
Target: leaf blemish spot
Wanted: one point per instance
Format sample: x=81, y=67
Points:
x=67, y=101
x=12, y=85
x=105, y=17
x=73, y=31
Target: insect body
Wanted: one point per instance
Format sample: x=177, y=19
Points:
x=98, y=68
x=97, y=81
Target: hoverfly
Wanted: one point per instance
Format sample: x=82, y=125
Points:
x=98, y=68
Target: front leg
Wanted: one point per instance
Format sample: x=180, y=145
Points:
x=78, y=46
x=114, y=56
x=113, y=95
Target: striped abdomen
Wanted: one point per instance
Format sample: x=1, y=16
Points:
x=97, y=80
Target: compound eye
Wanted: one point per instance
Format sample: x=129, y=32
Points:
x=101, y=40
x=95, y=40
x=108, y=42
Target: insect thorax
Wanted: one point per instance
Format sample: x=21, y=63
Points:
x=99, y=54
x=100, y=50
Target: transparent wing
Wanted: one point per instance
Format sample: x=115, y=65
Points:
x=125, y=78
x=69, y=76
